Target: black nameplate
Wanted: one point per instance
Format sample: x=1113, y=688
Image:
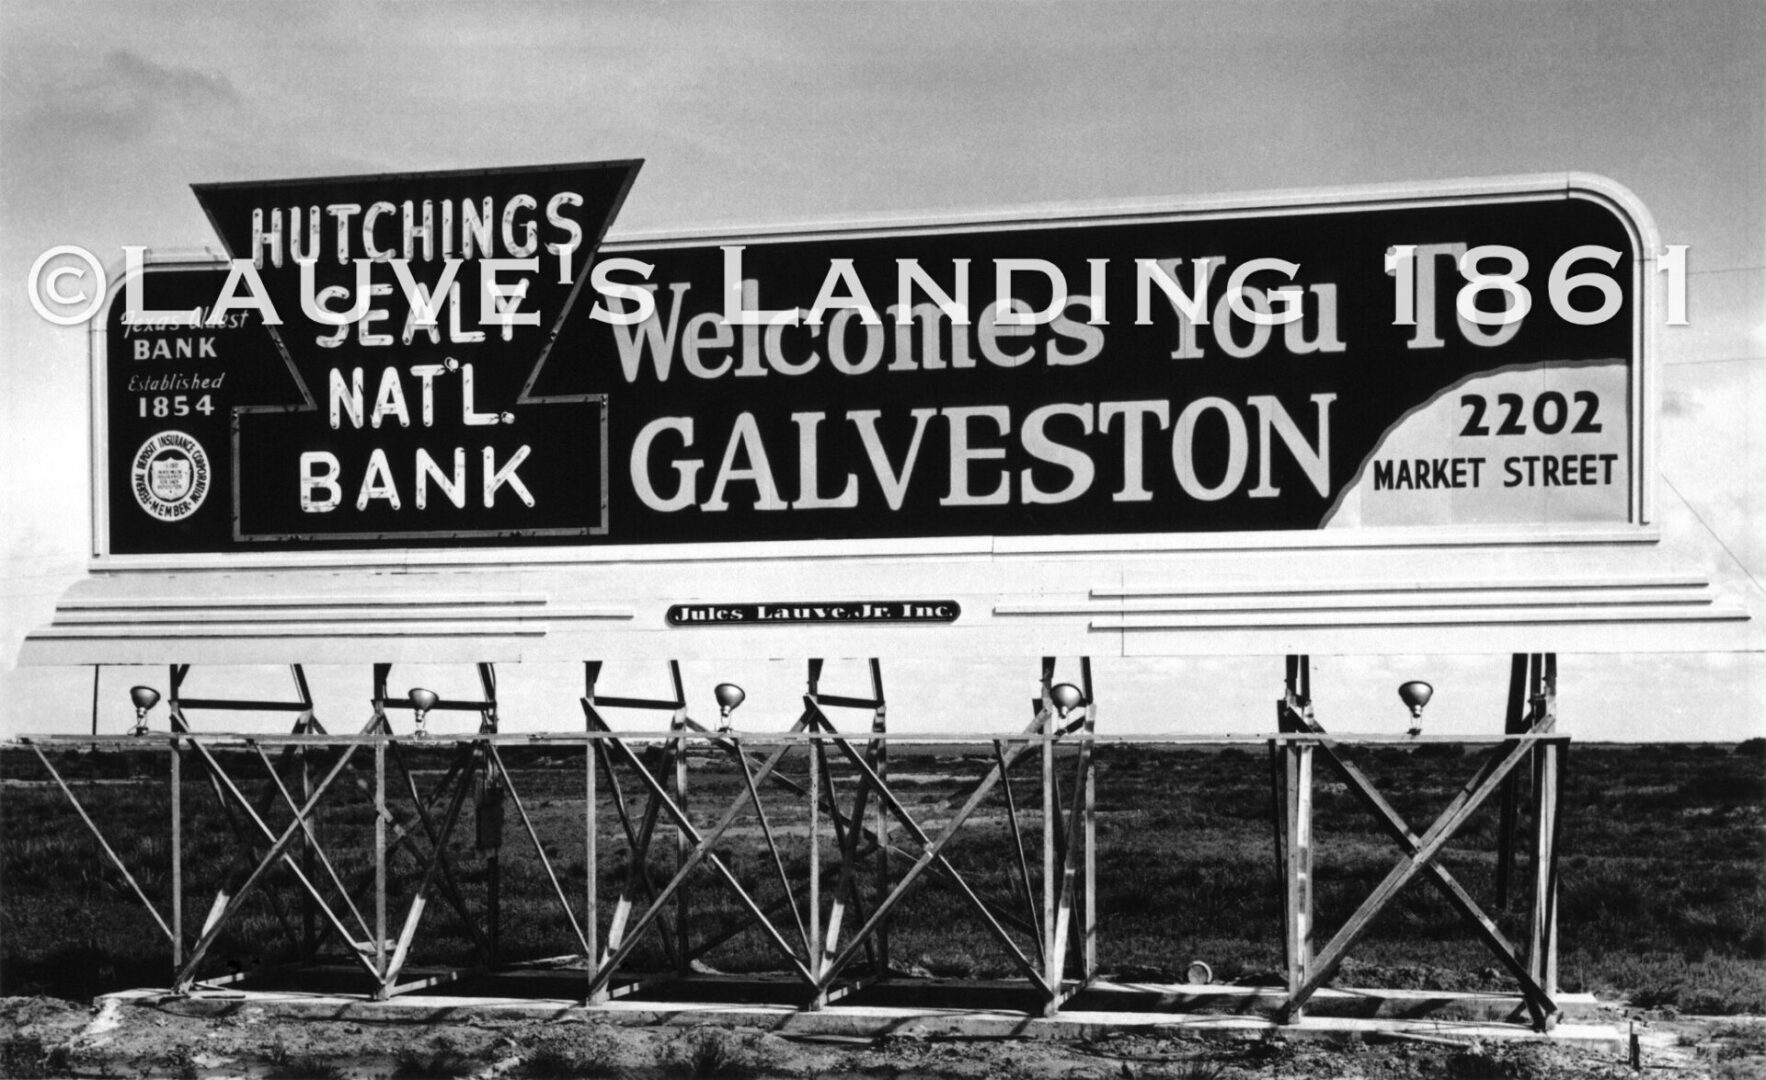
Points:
x=842, y=611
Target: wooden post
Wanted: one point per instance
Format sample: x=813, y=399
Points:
x=817, y=962
x=1050, y=943
x=1303, y=840
x=1514, y=722
x=309, y=926
x=1298, y=781
x=1542, y=951
x=683, y=849
x=880, y=729
x=380, y=957
x=379, y=722
x=1301, y=849
x=1278, y=804
x=1290, y=715
x=591, y=858
x=177, y=794
x=493, y=902
x=1088, y=913
x=1535, y=721
x=683, y=845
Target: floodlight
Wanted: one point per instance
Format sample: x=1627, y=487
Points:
x=145, y=698
x=729, y=697
x=1066, y=697
x=422, y=700
x=1415, y=695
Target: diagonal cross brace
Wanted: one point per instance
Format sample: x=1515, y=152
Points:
x=306, y=828
x=1539, y=1003
x=638, y=840
x=766, y=829
x=948, y=877
x=1470, y=797
x=933, y=853
x=278, y=851
x=105, y=844
x=702, y=852
x=846, y=890
x=419, y=901
x=181, y=725
x=999, y=757
x=403, y=837
x=460, y=772
x=1067, y=845
x=539, y=849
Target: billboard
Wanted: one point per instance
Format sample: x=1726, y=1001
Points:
x=455, y=360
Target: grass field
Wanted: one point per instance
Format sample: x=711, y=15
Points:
x=1663, y=897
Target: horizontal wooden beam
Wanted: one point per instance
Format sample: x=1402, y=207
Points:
x=980, y=741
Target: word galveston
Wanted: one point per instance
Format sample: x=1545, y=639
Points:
x=978, y=443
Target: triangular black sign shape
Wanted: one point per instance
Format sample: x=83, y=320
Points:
x=414, y=421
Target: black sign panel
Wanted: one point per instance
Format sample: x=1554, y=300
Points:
x=1460, y=362
x=381, y=337
x=775, y=613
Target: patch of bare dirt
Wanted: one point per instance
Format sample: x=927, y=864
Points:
x=48, y=1037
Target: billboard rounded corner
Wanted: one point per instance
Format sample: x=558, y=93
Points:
x=1624, y=204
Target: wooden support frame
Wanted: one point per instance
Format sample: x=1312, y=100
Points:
x=384, y=955
x=1537, y=977
x=827, y=953
x=700, y=851
x=249, y=840
x=823, y=921
x=599, y=960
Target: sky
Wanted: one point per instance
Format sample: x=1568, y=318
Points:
x=761, y=114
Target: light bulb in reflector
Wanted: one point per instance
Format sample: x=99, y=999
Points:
x=144, y=698
x=422, y=701
x=729, y=697
x=1415, y=695
x=1066, y=698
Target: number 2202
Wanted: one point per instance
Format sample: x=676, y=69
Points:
x=1550, y=413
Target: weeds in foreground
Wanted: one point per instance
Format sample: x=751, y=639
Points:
x=180, y=1062
x=550, y=1061
x=1708, y=985
x=25, y=1057
x=714, y=1052
x=1750, y=1035
x=284, y=1065
x=1189, y=1070
x=304, y=1067
x=441, y=1060
x=1504, y=1063
x=1738, y=1048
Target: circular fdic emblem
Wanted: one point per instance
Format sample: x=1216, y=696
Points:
x=170, y=475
